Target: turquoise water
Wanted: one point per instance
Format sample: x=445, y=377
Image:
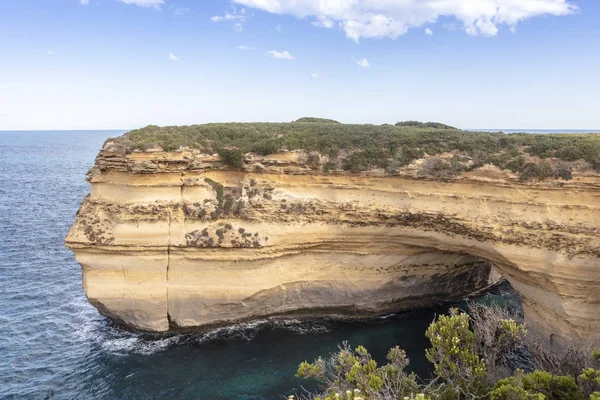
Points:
x=54, y=345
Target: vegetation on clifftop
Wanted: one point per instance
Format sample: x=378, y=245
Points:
x=312, y=119
x=362, y=147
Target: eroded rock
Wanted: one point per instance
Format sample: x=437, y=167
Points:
x=173, y=241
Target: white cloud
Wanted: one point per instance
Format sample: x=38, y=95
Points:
x=428, y=32
x=388, y=18
x=282, y=55
x=145, y=3
x=51, y=52
x=84, y=2
x=245, y=48
x=323, y=22
x=278, y=28
x=364, y=63
x=315, y=75
x=234, y=16
x=229, y=17
x=173, y=57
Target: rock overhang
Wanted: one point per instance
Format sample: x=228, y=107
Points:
x=177, y=240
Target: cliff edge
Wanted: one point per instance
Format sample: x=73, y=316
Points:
x=211, y=233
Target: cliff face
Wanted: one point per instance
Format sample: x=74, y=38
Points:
x=172, y=241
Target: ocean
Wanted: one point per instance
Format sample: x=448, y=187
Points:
x=54, y=345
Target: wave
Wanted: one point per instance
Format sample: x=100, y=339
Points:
x=115, y=341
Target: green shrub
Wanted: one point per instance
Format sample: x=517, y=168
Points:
x=453, y=353
x=564, y=172
x=538, y=172
x=232, y=157
x=512, y=389
x=355, y=371
x=365, y=159
x=435, y=125
x=404, y=156
x=329, y=138
x=460, y=371
x=313, y=120
x=499, y=160
x=570, y=153
x=438, y=168
x=537, y=385
x=330, y=165
x=516, y=164
x=266, y=147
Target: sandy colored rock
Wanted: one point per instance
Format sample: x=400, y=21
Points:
x=173, y=241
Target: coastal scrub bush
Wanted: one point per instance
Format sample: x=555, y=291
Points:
x=313, y=120
x=512, y=389
x=537, y=385
x=355, y=371
x=404, y=156
x=330, y=165
x=438, y=167
x=266, y=147
x=453, y=354
x=536, y=171
x=563, y=172
x=435, y=125
x=459, y=345
x=232, y=157
x=516, y=164
x=365, y=159
x=396, y=145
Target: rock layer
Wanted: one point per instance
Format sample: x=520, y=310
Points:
x=171, y=241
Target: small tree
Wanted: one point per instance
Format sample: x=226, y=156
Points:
x=459, y=356
x=232, y=157
x=454, y=356
x=354, y=371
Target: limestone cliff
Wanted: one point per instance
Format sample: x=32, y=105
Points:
x=176, y=240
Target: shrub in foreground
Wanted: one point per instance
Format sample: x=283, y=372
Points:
x=460, y=347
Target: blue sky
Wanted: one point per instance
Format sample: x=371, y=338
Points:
x=124, y=64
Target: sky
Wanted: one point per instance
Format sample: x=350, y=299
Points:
x=124, y=64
